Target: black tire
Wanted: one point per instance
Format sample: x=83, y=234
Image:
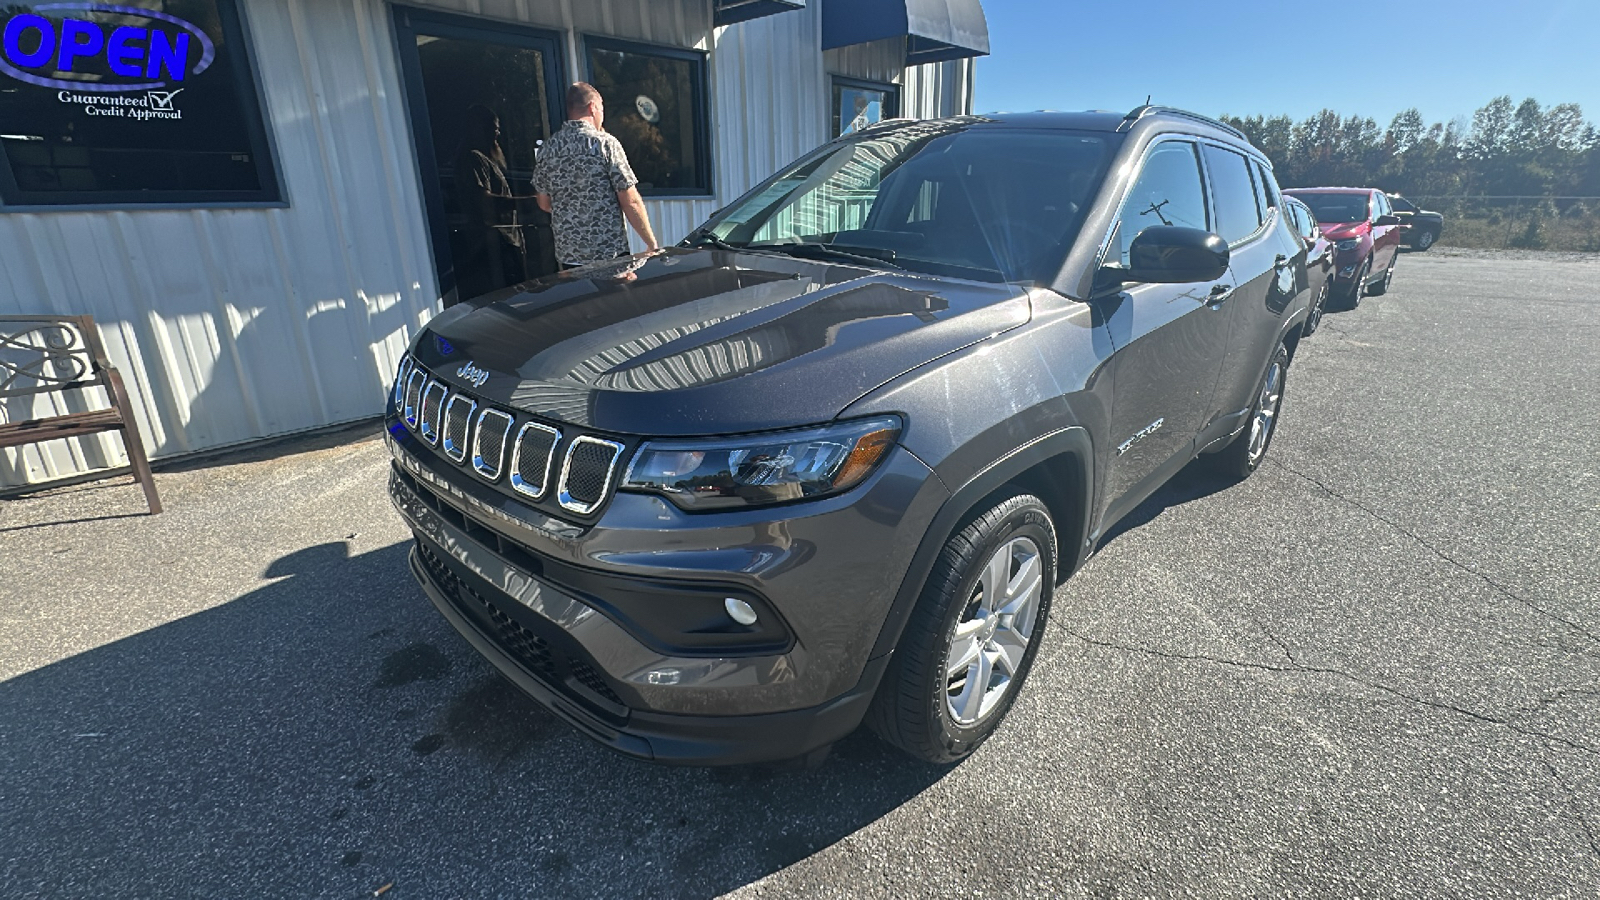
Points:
x=912, y=709
x=1425, y=239
x=1318, y=307
x=1239, y=459
x=1358, y=287
x=1382, y=287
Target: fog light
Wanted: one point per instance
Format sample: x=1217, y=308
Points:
x=740, y=611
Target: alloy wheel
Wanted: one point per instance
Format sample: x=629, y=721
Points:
x=1266, y=411
x=993, y=633
x=1425, y=240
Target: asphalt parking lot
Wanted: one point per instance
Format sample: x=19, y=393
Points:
x=1372, y=670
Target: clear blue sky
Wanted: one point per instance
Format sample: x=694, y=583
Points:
x=1245, y=57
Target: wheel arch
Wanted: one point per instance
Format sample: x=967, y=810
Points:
x=1058, y=468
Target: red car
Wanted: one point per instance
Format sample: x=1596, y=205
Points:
x=1366, y=237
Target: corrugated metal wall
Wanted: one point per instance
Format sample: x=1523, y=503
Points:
x=233, y=325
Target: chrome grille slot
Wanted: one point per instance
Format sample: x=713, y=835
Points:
x=415, y=382
x=532, y=459
x=402, y=373
x=432, y=407
x=586, y=473
x=457, y=423
x=489, y=446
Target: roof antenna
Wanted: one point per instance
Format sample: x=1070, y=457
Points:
x=1147, y=99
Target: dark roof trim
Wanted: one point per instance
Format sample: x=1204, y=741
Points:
x=727, y=12
x=935, y=30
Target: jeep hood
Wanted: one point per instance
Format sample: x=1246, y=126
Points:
x=707, y=341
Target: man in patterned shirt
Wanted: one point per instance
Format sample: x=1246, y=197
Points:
x=584, y=181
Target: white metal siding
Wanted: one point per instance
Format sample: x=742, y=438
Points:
x=233, y=325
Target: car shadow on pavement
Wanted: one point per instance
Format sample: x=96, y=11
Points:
x=327, y=734
x=1196, y=481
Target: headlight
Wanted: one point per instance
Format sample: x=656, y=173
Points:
x=718, y=473
x=1347, y=244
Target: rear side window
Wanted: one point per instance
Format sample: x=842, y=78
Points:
x=1233, y=194
x=1169, y=191
x=1302, y=219
x=1269, y=188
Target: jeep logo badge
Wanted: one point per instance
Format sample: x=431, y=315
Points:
x=470, y=372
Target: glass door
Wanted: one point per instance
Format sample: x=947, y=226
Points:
x=483, y=96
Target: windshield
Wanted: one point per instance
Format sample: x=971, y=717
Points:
x=1336, y=207
x=983, y=203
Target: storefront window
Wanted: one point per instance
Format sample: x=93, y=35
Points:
x=145, y=101
x=656, y=106
x=857, y=104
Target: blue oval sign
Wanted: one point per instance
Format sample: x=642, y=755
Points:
x=153, y=53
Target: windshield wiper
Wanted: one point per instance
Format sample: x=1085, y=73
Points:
x=710, y=240
x=872, y=256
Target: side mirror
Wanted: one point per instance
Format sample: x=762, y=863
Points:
x=1169, y=254
x=1381, y=221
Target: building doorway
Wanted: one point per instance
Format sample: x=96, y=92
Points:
x=483, y=96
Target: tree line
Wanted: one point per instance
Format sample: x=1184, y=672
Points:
x=1522, y=149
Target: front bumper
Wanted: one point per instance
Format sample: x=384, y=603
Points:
x=533, y=598
x=657, y=737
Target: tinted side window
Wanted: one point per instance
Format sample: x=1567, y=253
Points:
x=1402, y=204
x=1269, y=186
x=1302, y=219
x=1168, y=191
x=1233, y=194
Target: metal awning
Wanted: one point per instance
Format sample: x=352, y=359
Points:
x=731, y=11
x=935, y=30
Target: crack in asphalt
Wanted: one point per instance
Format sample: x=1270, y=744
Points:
x=1557, y=697
x=1572, y=804
x=1295, y=666
x=1497, y=586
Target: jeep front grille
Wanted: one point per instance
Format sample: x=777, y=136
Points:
x=530, y=461
x=489, y=449
x=540, y=463
x=457, y=422
x=586, y=474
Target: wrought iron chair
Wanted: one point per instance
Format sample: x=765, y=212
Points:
x=60, y=354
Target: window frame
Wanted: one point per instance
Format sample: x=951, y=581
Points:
x=1261, y=226
x=248, y=82
x=701, y=84
x=890, y=90
x=1115, y=226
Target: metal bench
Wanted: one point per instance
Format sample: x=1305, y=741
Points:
x=58, y=355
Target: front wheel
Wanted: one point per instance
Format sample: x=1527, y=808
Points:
x=1244, y=455
x=1382, y=287
x=973, y=635
x=1358, y=287
x=1426, y=239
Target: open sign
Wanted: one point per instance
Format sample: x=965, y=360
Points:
x=153, y=51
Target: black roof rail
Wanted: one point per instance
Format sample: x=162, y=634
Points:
x=1140, y=112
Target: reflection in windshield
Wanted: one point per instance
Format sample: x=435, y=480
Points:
x=934, y=197
x=1336, y=207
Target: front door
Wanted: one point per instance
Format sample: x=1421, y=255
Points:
x=1170, y=339
x=483, y=96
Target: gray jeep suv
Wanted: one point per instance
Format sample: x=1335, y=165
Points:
x=826, y=461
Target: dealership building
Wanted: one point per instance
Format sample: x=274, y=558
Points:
x=260, y=201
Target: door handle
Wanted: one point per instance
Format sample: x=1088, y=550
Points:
x=1219, y=295
x=1280, y=261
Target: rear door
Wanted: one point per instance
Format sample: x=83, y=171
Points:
x=1267, y=267
x=1169, y=339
